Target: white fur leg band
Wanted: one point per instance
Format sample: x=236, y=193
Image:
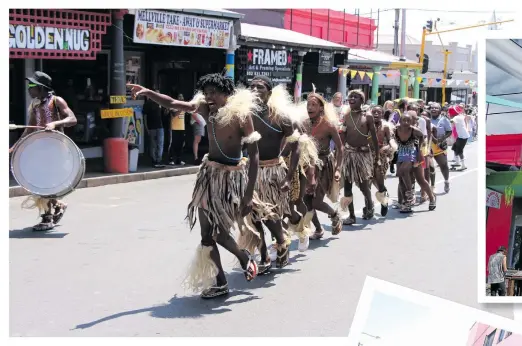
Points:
x=393, y=145
x=252, y=138
x=382, y=197
x=202, y=272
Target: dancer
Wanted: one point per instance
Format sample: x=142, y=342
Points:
x=358, y=161
x=441, y=130
x=52, y=112
x=322, y=126
x=274, y=123
x=387, y=148
x=224, y=190
x=303, y=180
x=409, y=141
x=394, y=118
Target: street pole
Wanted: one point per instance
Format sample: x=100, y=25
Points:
x=396, y=33
x=446, y=53
x=403, y=35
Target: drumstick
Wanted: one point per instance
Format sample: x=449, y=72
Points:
x=15, y=127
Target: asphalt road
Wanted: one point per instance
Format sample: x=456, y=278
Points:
x=115, y=265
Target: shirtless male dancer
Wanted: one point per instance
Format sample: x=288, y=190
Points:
x=387, y=148
x=358, y=160
x=53, y=113
x=322, y=126
x=224, y=189
x=274, y=123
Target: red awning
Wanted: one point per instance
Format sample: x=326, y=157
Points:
x=504, y=149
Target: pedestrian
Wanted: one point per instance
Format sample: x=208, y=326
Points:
x=394, y=119
x=154, y=126
x=177, y=126
x=441, y=131
x=198, y=127
x=52, y=112
x=409, y=141
x=461, y=122
x=497, y=267
x=358, y=161
x=224, y=191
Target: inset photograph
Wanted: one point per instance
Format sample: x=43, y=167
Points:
x=391, y=315
x=503, y=274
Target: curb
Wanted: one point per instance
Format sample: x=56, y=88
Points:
x=18, y=191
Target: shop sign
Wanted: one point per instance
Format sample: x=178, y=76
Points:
x=326, y=60
x=275, y=64
x=118, y=100
x=178, y=29
x=56, y=34
x=493, y=199
x=116, y=113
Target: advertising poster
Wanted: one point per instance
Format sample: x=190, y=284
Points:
x=179, y=29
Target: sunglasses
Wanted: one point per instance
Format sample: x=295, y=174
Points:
x=31, y=85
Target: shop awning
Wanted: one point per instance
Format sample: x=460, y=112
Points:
x=372, y=58
x=251, y=33
x=504, y=149
x=503, y=86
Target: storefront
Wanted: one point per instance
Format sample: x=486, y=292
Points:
x=288, y=57
x=176, y=48
x=504, y=195
x=67, y=45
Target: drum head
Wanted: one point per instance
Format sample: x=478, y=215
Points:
x=48, y=164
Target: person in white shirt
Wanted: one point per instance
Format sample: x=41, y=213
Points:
x=461, y=122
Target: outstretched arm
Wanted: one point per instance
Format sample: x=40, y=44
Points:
x=161, y=99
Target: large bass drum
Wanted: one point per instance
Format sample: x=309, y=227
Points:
x=48, y=164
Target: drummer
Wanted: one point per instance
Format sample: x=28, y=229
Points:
x=53, y=113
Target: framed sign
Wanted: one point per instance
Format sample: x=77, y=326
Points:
x=326, y=62
x=273, y=63
x=179, y=29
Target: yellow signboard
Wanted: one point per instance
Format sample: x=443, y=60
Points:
x=118, y=100
x=116, y=113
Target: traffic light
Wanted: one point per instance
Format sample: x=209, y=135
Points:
x=429, y=25
x=425, y=63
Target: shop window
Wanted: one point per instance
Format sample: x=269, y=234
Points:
x=84, y=85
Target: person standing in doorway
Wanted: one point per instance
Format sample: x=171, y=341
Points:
x=177, y=126
x=497, y=267
x=154, y=127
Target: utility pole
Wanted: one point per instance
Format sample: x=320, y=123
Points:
x=396, y=33
x=403, y=35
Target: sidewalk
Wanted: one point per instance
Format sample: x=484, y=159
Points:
x=94, y=175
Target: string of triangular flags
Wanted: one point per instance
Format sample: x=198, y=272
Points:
x=411, y=79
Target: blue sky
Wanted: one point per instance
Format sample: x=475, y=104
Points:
x=394, y=319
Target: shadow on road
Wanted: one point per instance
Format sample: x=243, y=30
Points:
x=28, y=233
x=183, y=307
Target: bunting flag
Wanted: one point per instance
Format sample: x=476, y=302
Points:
x=409, y=80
